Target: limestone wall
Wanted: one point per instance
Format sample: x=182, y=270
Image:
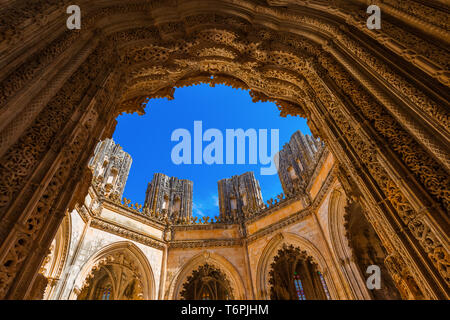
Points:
x=243, y=252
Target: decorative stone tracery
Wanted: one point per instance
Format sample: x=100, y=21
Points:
x=265, y=272
x=294, y=276
x=379, y=101
x=207, y=283
x=207, y=261
x=123, y=268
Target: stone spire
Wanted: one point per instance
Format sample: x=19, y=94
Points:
x=239, y=195
x=297, y=159
x=169, y=195
x=110, y=166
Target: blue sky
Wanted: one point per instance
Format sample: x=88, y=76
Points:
x=147, y=139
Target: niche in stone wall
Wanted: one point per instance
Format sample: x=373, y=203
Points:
x=367, y=250
x=207, y=283
x=295, y=276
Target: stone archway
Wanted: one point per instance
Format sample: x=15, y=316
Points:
x=207, y=283
x=356, y=246
x=123, y=267
x=340, y=245
x=367, y=250
x=295, y=276
x=211, y=259
x=277, y=243
x=378, y=100
x=51, y=270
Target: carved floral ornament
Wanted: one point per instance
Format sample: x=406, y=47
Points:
x=377, y=91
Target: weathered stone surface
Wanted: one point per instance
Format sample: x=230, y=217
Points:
x=377, y=98
x=239, y=196
x=170, y=196
x=110, y=166
x=297, y=160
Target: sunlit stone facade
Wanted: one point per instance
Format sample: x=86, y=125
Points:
x=296, y=161
x=165, y=255
x=110, y=167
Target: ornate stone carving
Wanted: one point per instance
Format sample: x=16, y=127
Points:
x=239, y=196
x=344, y=78
x=297, y=159
x=110, y=166
x=170, y=196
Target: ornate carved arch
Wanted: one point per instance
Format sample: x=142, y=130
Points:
x=58, y=256
x=270, y=251
x=379, y=100
x=210, y=258
x=124, y=253
x=339, y=243
x=54, y=263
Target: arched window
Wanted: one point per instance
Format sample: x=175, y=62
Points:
x=176, y=205
x=233, y=203
x=294, y=276
x=112, y=176
x=165, y=202
x=102, y=168
x=292, y=173
x=244, y=199
x=106, y=293
x=324, y=285
x=118, y=278
x=299, y=287
x=207, y=283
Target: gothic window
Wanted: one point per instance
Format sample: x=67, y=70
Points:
x=99, y=286
x=324, y=285
x=244, y=199
x=294, y=276
x=106, y=293
x=233, y=203
x=177, y=205
x=299, y=163
x=299, y=287
x=292, y=173
x=102, y=168
x=112, y=281
x=207, y=283
x=112, y=177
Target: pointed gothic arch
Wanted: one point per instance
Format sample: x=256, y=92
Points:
x=340, y=245
x=215, y=260
x=123, y=253
x=378, y=99
x=51, y=270
x=271, y=250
